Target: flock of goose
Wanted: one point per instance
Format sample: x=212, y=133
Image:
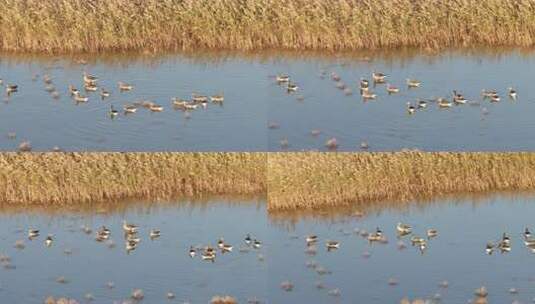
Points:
x=90, y=85
x=132, y=240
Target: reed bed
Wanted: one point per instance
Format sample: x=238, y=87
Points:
x=156, y=25
x=315, y=180
x=65, y=178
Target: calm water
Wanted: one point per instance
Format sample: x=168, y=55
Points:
x=253, y=101
x=157, y=267
x=456, y=255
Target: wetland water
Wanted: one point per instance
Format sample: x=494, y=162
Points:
x=357, y=270
x=254, y=101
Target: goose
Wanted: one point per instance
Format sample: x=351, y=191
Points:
x=506, y=239
x=131, y=238
x=331, y=143
x=113, y=112
x=192, y=252
x=90, y=87
x=48, y=241
x=130, y=246
x=422, y=246
x=257, y=244
x=527, y=233
x=310, y=239
x=391, y=89
x=50, y=88
x=487, y=93
x=529, y=242
x=248, y=239
x=403, y=228
x=80, y=98
x=377, y=236
x=124, y=86
x=104, y=230
x=413, y=83
x=156, y=108
x=335, y=76
x=422, y=104
x=282, y=78
x=495, y=98
x=33, y=233
x=292, y=87
x=416, y=240
x=368, y=95
x=129, y=228
x=481, y=292
x=220, y=243
x=444, y=103
x=12, y=88
x=128, y=109
x=104, y=93
x=331, y=245
x=364, y=83
x=89, y=79
x=199, y=98
x=512, y=93
x=226, y=248
x=74, y=91
x=154, y=233
x=208, y=256
x=217, y=98
x=410, y=108
x=378, y=77
x=489, y=249
x=431, y=233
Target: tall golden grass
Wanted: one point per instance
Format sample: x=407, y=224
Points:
x=315, y=180
x=155, y=25
x=64, y=178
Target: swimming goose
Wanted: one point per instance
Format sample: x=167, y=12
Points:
x=331, y=245
x=481, y=292
x=113, y=112
x=416, y=240
x=444, y=103
x=527, y=233
x=217, y=98
x=403, y=229
x=335, y=76
x=12, y=88
x=282, y=78
x=89, y=79
x=489, y=249
x=128, y=109
x=377, y=236
x=248, y=239
x=495, y=98
x=132, y=238
x=104, y=93
x=80, y=98
x=378, y=77
x=90, y=87
x=33, y=233
x=48, y=241
x=422, y=104
x=512, y=93
x=47, y=79
x=154, y=233
x=199, y=98
x=208, y=256
x=292, y=87
x=226, y=248
x=364, y=84
x=156, y=108
x=220, y=243
x=431, y=233
x=368, y=95
x=130, y=246
x=257, y=244
x=129, y=228
x=311, y=239
x=410, y=108
x=124, y=86
x=529, y=242
x=74, y=91
x=413, y=83
x=192, y=252
x=391, y=89
x=487, y=93
x=184, y=104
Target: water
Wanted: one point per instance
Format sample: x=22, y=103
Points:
x=457, y=255
x=253, y=101
x=157, y=267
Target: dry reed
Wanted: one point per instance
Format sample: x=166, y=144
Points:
x=64, y=178
x=315, y=180
x=156, y=25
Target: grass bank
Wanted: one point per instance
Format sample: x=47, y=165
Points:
x=65, y=178
x=316, y=180
x=155, y=25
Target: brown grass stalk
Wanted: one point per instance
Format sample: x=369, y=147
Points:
x=65, y=178
x=315, y=180
x=157, y=25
